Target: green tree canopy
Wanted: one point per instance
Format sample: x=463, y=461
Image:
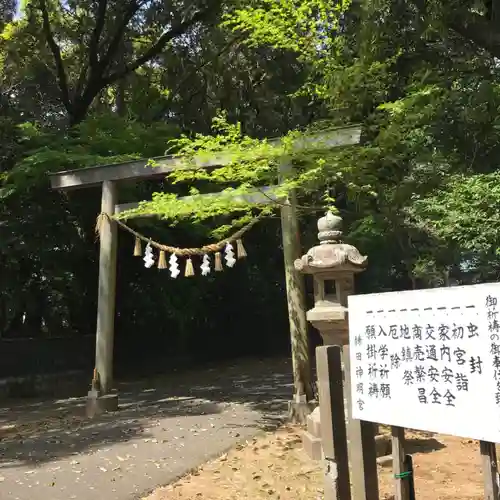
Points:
x=424, y=82
x=83, y=83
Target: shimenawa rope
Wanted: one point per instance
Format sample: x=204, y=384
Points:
x=213, y=247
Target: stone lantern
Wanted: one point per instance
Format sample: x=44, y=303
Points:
x=333, y=265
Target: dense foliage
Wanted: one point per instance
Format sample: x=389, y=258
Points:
x=423, y=80
x=96, y=81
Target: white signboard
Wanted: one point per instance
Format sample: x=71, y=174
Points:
x=428, y=359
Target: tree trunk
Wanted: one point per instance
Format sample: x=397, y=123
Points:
x=121, y=103
x=121, y=85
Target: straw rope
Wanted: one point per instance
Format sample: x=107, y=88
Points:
x=186, y=252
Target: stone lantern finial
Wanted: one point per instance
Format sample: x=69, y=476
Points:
x=329, y=229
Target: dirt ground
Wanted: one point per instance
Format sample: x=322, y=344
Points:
x=274, y=466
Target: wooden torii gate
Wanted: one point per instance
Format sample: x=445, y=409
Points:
x=109, y=177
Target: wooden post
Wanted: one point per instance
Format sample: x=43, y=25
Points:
x=295, y=292
x=362, y=448
x=398, y=461
x=106, y=293
x=333, y=424
x=408, y=465
x=490, y=469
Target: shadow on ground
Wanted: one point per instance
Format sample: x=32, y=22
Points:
x=423, y=445
x=43, y=431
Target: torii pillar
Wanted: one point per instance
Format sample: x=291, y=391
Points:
x=102, y=397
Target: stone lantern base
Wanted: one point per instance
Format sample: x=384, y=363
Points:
x=311, y=438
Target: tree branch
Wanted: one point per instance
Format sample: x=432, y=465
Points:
x=95, y=76
x=96, y=34
x=117, y=38
x=176, y=30
x=478, y=30
x=56, y=53
x=81, y=81
x=190, y=74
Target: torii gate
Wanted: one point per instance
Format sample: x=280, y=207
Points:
x=109, y=177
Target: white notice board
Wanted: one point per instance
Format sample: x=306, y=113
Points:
x=428, y=359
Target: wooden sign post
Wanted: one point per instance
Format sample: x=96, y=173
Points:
x=362, y=447
x=333, y=423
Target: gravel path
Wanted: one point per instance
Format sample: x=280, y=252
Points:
x=165, y=427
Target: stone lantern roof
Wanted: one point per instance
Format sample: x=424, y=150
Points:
x=331, y=254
